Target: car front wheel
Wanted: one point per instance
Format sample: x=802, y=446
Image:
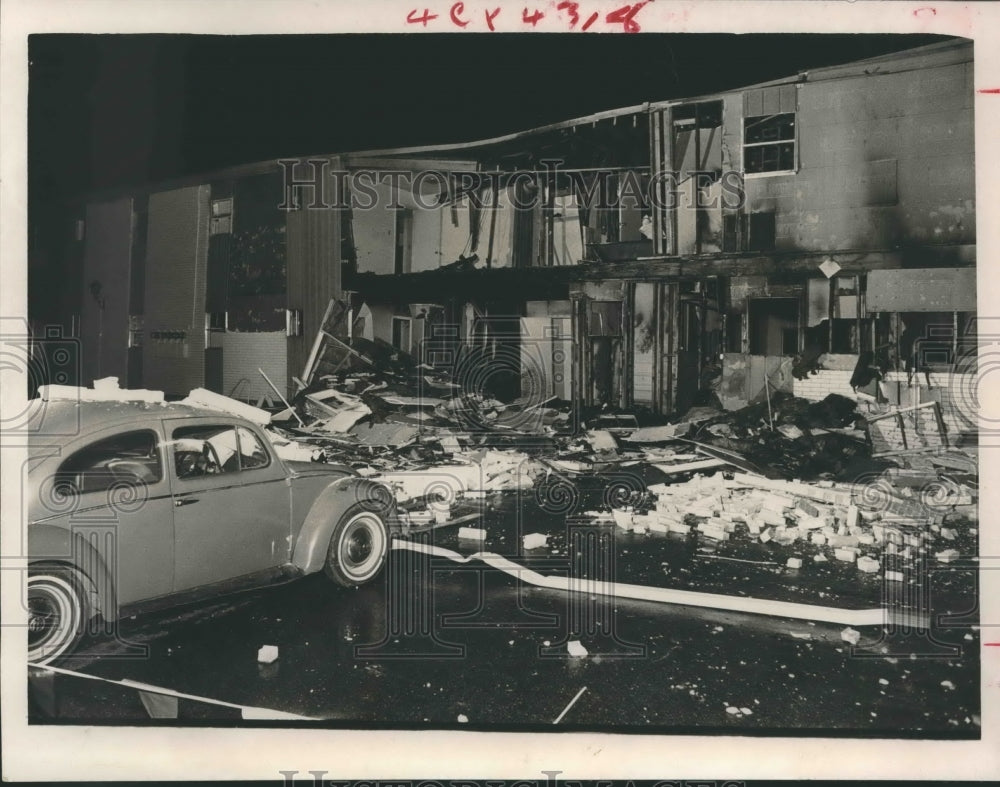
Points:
x=358, y=547
x=57, y=613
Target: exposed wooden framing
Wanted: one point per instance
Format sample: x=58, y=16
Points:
x=657, y=383
x=895, y=337
x=576, y=357
x=860, y=310
x=778, y=266
x=954, y=336
x=495, y=206
x=628, y=356
x=831, y=309
x=548, y=213
x=625, y=345
x=654, y=146
x=317, y=343
x=667, y=165
x=673, y=306
x=695, y=185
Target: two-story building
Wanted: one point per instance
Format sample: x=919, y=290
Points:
x=646, y=257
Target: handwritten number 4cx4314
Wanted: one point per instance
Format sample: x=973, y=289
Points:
x=570, y=11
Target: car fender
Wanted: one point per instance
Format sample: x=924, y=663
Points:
x=54, y=545
x=330, y=505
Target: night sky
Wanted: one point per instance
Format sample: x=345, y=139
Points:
x=108, y=111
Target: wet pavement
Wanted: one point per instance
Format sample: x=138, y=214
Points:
x=434, y=643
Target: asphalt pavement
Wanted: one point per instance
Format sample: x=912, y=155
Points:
x=435, y=643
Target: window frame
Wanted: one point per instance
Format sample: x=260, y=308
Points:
x=239, y=449
x=794, y=140
x=174, y=439
x=75, y=490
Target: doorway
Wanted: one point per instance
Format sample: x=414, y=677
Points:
x=773, y=326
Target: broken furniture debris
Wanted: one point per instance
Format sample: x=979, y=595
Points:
x=814, y=484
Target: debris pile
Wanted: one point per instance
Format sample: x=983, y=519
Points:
x=858, y=497
x=871, y=525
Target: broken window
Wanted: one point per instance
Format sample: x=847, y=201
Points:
x=697, y=160
x=205, y=450
x=567, y=235
x=769, y=143
x=774, y=326
x=401, y=333
x=605, y=318
x=929, y=341
x=698, y=138
x=252, y=453
x=130, y=458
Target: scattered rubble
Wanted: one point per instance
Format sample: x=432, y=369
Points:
x=575, y=649
x=794, y=478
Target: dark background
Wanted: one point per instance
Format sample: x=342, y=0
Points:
x=108, y=111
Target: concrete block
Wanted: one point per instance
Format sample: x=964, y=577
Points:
x=472, y=533
x=794, y=562
x=808, y=508
x=948, y=533
x=894, y=576
x=535, y=540
x=679, y=527
x=947, y=555
x=847, y=554
x=777, y=503
x=851, y=516
x=843, y=541
x=622, y=518
x=575, y=648
x=710, y=531
x=851, y=635
x=770, y=517
x=267, y=654
x=642, y=522
x=765, y=536
x=868, y=565
x=818, y=538
x=658, y=527
x=820, y=558
x=866, y=538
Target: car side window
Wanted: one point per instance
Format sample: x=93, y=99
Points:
x=205, y=450
x=128, y=458
x=252, y=453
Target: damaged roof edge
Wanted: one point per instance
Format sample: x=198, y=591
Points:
x=951, y=51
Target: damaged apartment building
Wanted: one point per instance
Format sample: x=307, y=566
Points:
x=814, y=234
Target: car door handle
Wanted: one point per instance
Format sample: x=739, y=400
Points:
x=184, y=501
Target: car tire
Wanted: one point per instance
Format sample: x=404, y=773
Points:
x=358, y=547
x=57, y=612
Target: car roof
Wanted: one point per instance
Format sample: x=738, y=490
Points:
x=58, y=422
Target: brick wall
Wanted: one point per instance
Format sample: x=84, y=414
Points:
x=243, y=353
x=954, y=392
x=826, y=381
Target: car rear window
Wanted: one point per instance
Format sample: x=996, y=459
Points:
x=127, y=458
